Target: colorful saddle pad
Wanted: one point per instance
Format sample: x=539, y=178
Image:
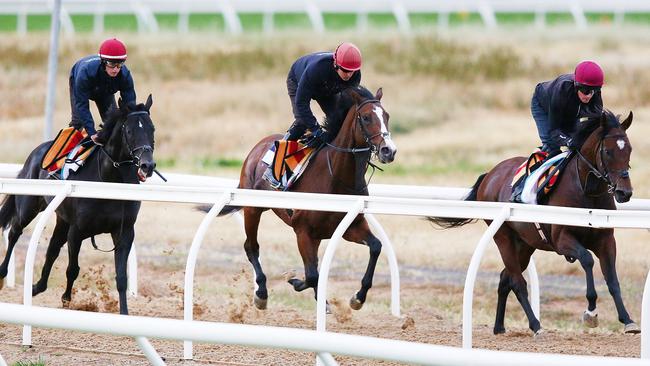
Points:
x=288, y=160
x=67, y=153
x=63, y=143
x=538, y=176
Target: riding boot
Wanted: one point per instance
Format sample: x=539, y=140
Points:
x=268, y=176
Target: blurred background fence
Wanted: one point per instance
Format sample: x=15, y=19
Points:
x=237, y=16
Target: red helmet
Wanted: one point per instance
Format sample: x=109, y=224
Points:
x=347, y=56
x=589, y=73
x=112, y=49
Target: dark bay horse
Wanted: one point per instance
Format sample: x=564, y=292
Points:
x=596, y=175
x=338, y=168
x=127, y=157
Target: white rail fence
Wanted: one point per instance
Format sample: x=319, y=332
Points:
x=353, y=205
x=145, y=11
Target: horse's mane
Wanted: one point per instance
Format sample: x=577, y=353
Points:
x=586, y=128
x=344, y=100
x=115, y=113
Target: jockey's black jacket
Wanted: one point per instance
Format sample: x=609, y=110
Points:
x=89, y=81
x=559, y=98
x=316, y=78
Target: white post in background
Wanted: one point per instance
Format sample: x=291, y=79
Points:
x=392, y=263
x=645, y=319
x=132, y=268
x=51, y=69
x=192, y=256
x=31, y=254
x=470, y=280
x=533, y=285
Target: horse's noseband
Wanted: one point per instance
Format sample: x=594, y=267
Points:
x=134, y=159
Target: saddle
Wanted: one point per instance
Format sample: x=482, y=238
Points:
x=288, y=160
x=535, y=179
x=68, y=152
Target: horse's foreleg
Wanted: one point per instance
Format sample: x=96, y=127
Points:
x=252, y=248
x=590, y=316
x=59, y=237
x=123, y=245
x=74, y=245
x=607, y=258
x=374, y=248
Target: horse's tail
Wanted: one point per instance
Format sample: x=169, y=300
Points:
x=451, y=222
x=224, y=211
x=8, y=211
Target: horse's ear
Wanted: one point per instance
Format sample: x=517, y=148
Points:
x=379, y=94
x=148, y=103
x=628, y=121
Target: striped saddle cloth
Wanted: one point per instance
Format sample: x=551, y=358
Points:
x=537, y=176
x=67, y=152
x=289, y=160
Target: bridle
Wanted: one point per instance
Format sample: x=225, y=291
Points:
x=605, y=174
x=366, y=135
x=134, y=159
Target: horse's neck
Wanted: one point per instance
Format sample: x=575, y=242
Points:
x=590, y=151
x=348, y=169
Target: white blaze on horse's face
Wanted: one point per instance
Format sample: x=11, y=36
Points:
x=388, y=149
x=621, y=144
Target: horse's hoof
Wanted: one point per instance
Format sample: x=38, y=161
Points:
x=328, y=308
x=289, y=275
x=632, y=328
x=65, y=304
x=259, y=303
x=2, y=284
x=500, y=330
x=539, y=334
x=590, y=321
x=355, y=304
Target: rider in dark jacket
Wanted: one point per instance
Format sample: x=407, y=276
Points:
x=98, y=78
x=558, y=105
x=320, y=76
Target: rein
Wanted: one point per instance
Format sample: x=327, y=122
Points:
x=135, y=159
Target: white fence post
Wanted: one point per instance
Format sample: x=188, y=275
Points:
x=392, y=263
x=645, y=319
x=470, y=280
x=31, y=254
x=188, y=293
x=149, y=351
x=132, y=270
x=533, y=285
x=315, y=16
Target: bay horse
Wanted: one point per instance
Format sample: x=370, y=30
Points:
x=127, y=157
x=596, y=175
x=361, y=129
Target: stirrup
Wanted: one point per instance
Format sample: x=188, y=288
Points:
x=268, y=176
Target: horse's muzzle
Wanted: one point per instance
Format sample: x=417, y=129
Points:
x=387, y=151
x=146, y=167
x=622, y=195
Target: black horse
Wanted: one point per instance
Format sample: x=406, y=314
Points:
x=127, y=157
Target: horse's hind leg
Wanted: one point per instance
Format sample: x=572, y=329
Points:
x=606, y=254
x=252, y=247
x=308, y=248
x=364, y=236
x=59, y=237
x=515, y=256
x=74, y=245
x=25, y=209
